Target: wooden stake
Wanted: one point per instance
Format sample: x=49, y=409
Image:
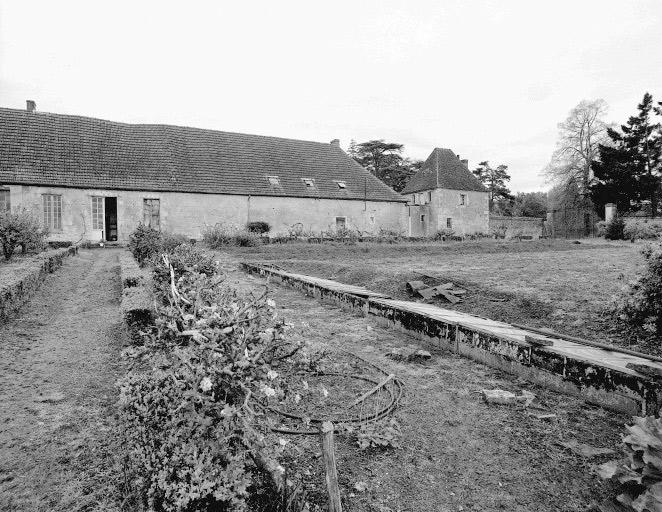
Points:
x=329, y=458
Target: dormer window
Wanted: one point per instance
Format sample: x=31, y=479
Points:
x=309, y=182
x=341, y=185
x=274, y=181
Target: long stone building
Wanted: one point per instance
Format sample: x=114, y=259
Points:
x=91, y=179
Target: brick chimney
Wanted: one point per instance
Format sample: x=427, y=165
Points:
x=465, y=162
x=335, y=142
x=30, y=105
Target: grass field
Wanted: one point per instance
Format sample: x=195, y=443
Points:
x=556, y=284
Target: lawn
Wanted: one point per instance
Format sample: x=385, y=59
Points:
x=558, y=284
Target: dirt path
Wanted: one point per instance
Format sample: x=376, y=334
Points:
x=58, y=364
x=458, y=453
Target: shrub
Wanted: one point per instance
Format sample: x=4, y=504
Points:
x=189, y=422
x=145, y=243
x=641, y=472
x=220, y=235
x=170, y=241
x=640, y=306
x=443, y=234
x=260, y=227
x=184, y=258
x=20, y=229
x=614, y=229
x=642, y=230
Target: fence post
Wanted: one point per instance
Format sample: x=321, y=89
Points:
x=329, y=458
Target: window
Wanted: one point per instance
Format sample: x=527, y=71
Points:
x=341, y=222
x=274, y=181
x=52, y=211
x=151, y=213
x=5, y=205
x=449, y=223
x=309, y=182
x=341, y=185
x=422, y=218
x=463, y=199
x=97, y=212
x=430, y=196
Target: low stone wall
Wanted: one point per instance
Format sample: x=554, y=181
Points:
x=17, y=288
x=513, y=227
x=603, y=384
x=137, y=306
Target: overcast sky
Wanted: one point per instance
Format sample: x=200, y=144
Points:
x=488, y=79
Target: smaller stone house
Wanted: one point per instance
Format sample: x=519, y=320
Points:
x=445, y=195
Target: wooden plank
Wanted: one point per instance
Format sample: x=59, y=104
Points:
x=329, y=457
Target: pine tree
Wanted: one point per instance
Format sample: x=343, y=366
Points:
x=629, y=169
x=495, y=181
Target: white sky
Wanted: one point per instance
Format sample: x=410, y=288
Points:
x=488, y=79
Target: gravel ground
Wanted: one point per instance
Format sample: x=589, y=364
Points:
x=59, y=359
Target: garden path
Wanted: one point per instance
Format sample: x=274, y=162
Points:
x=59, y=359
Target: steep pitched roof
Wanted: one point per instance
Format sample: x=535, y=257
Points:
x=60, y=150
x=443, y=169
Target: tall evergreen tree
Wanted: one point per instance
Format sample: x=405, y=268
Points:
x=495, y=181
x=629, y=170
x=385, y=160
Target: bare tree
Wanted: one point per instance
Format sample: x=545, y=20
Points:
x=578, y=146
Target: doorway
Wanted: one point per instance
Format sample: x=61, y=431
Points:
x=110, y=218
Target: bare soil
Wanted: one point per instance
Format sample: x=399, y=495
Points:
x=548, y=283
x=458, y=453
x=59, y=359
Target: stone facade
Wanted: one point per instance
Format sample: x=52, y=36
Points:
x=188, y=213
x=466, y=212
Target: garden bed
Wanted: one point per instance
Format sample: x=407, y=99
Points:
x=21, y=277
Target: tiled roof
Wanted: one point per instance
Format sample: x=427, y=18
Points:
x=72, y=151
x=443, y=169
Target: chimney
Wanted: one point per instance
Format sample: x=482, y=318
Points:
x=465, y=162
x=30, y=105
x=335, y=142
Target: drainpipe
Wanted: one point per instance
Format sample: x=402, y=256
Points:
x=248, y=210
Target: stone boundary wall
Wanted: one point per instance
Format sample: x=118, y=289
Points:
x=602, y=385
x=512, y=227
x=15, y=291
x=136, y=306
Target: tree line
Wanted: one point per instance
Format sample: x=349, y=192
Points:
x=386, y=161
x=596, y=163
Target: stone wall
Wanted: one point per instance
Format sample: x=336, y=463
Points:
x=188, y=213
x=511, y=227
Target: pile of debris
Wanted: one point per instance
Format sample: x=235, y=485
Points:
x=448, y=291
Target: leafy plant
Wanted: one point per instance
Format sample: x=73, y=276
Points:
x=20, y=229
x=260, y=227
x=170, y=241
x=614, y=230
x=642, y=230
x=641, y=471
x=221, y=235
x=183, y=259
x=190, y=421
x=640, y=306
x=444, y=233
x=379, y=434
x=145, y=243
